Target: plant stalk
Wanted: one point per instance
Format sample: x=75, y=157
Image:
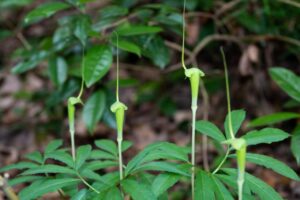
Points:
x=120, y=140
x=8, y=190
x=194, y=110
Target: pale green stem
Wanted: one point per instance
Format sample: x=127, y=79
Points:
x=87, y=184
x=194, y=110
x=222, y=162
x=183, y=37
x=241, y=156
x=82, y=75
x=71, y=112
x=120, y=140
x=227, y=94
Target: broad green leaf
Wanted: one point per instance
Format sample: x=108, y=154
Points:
x=35, y=156
x=295, y=143
x=31, y=63
x=44, y=11
x=287, y=81
x=39, y=188
x=204, y=186
x=237, y=118
x=97, y=62
x=211, y=130
x=58, y=70
x=61, y=156
x=48, y=168
x=138, y=191
x=127, y=46
x=20, y=166
x=273, y=118
x=23, y=179
x=156, y=50
x=161, y=166
x=53, y=145
x=107, y=145
x=113, y=11
x=82, y=154
x=257, y=186
x=133, y=30
x=266, y=135
x=14, y=3
x=221, y=191
x=273, y=164
x=93, y=110
x=82, y=28
x=90, y=174
x=163, y=182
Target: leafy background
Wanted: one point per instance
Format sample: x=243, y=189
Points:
x=43, y=43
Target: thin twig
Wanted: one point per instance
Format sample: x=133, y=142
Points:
x=226, y=7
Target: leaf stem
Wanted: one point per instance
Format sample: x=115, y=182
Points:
x=222, y=162
x=8, y=190
x=87, y=184
x=120, y=140
x=82, y=74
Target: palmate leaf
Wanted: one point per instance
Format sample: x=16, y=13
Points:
x=98, y=154
x=23, y=179
x=257, y=186
x=266, y=135
x=35, y=156
x=112, y=193
x=163, y=182
x=97, y=165
x=211, y=130
x=237, y=116
x=137, y=190
x=41, y=187
x=204, y=186
x=81, y=195
x=271, y=163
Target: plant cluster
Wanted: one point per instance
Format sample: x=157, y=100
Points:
x=89, y=172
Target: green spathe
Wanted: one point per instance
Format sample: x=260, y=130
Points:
x=194, y=74
x=119, y=109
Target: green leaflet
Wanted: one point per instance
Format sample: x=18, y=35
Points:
x=295, y=144
x=137, y=190
x=271, y=163
x=204, y=186
x=108, y=146
x=257, y=186
x=82, y=154
x=266, y=135
x=163, y=182
x=273, y=118
x=41, y=187
x=209, y=129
